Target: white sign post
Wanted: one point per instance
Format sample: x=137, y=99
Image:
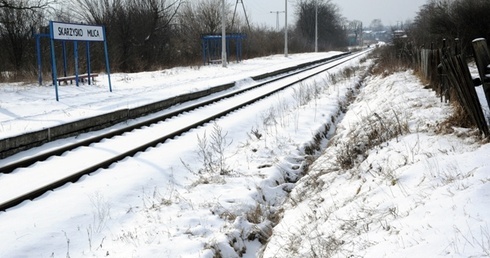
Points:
x=76, y=32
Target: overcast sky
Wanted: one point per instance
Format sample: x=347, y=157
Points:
x=389, y=11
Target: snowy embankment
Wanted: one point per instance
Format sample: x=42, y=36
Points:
x=211, y=192
x=392, y=183
x=26, y=106
x=389, y=184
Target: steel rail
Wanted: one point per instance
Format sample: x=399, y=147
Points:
x=8, y=168
x=106, y=163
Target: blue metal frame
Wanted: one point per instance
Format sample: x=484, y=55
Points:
x=107, y=67
x=75, y=49
x=89, y=67
x=38, y=37
x=75, y=54
x=211, y=46
x=65, y=62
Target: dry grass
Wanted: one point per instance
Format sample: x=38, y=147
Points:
x=387, y=61
x=376, y=129
x=458, y=118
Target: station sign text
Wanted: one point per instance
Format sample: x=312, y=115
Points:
x=70, y=31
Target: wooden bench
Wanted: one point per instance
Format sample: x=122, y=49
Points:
x=81, y=77
x=214, y=61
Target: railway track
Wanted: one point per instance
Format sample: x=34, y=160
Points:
x=53, y=168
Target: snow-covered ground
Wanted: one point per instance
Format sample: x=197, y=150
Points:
x=26, y=106
x=390, y=183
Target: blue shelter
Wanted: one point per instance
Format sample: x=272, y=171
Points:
x=211, y=47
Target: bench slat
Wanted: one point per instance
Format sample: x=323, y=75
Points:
x=80, y=76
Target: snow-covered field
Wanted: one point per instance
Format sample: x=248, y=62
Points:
x=390, y=183
x=26, y=106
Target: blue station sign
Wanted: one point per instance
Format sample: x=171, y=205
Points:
x=80, y=32
x=60, y=31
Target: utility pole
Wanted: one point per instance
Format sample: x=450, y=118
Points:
x=316, y=26
x=277, y=18
x=286, y=29
x=223, y=34
x=244, y=11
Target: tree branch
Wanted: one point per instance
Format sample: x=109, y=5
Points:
x=19, y=5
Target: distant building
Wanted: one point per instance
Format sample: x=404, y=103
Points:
x=352, y=39
x=373, y=37
x=399, y=34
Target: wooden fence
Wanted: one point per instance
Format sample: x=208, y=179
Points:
x=482, y=60
x=447, y=70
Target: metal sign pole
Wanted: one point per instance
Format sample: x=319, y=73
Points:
x=39, y=63
x=223, y=35
x=53, y=62
x=286, y=29
x=89, y=67
x=75, y=53
x=77, y=32
x=107, y=59
x=316, y=26
x=65, y=65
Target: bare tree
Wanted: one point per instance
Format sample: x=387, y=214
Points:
x=331, y=33
x=195, y=20
x=203, y=16
x=472, y=20
x=17, y=19
x=25, y=5
x=139, y=31
x=355, y=31
x=442, y=19
x=376, y=25
x=209, y=15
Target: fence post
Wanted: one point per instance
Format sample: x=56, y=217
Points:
x=456, y=46
x=444, y=50
x=482, y=60
x=460, y=78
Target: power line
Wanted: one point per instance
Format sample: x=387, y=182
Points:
x=277, y=18
x=244, y=11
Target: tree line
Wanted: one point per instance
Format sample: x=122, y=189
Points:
x=152, y=34
x=464, y=20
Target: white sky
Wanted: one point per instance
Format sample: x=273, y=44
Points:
x=389, y=11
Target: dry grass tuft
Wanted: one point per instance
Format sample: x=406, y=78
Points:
x=388, y=62
x=458, y=118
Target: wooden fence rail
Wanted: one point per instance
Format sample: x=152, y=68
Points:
x=448, y=71
x=482, y=60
